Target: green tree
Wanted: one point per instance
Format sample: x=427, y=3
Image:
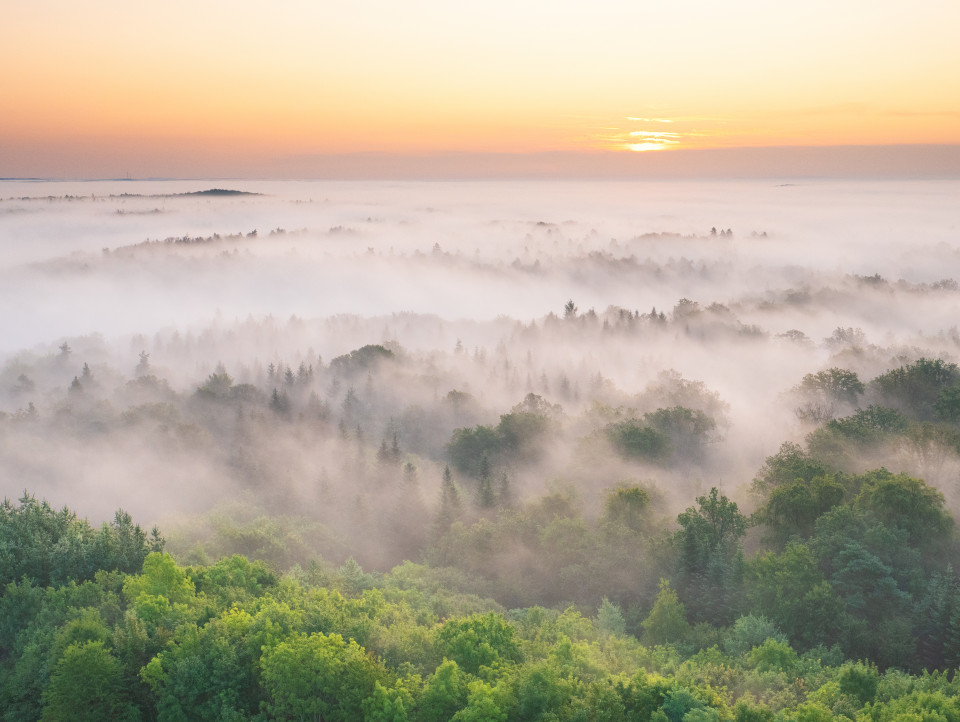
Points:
x=161, y=576
x=87, y=684
x=477, y=641
x=788, y=465
x=947, y=405
x=217, y=386
x=629, y=506
x=450, y=507
x=362, y=359
x=520, y=433
x=635, y=440
x=482, y=705
x=824, y=393
x=710, y=562
x=790, y=590
x=208, y=673
x=610, y=618
x=688, y=430
x=485, y=495
x=444, y=693
x=468, y=447
x=906, y=503
x=915, y=388
x=667, y=622
x=750, y=631
x=318, y=677
x=793, y=509
x=387, y=704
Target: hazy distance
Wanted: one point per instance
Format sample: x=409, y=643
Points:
x=468, y=283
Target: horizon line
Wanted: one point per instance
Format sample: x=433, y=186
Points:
x=913, y=160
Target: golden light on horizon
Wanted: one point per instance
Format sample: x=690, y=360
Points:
x=653, y=140
x=647, y=146
x=299, y=78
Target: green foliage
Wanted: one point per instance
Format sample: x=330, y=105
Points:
x=482, y=705
x=790, y=464
x=519, y=433
x=208, y=673
x=825, y=392
x=318, y=676
x=916, y=705
x=750, y=631
x=87, y=684
x=387, y=705
x=667, y=622
x=860, y=562
x=540, y=692
x=838, y=384
x=54, y=547
x=915, y=388
x=709, y=562
x=870, y=424
x=477, y=641
x=444, y=692
x=635, y=440
x=790, y=590
x=468, y=447
x=908, y=504
x=687, y=429
x=682, y=704
x=610, y=618
x=793, y=508
x=361, y=359
x=843, y=443
x=516, y=439
x=161, y=577
x=859, y=680
x=743, y=711
x=217, y=386
x=450, y=507
x=233, y=580
x=629, y=506
x=773, y=656
x=947, y=405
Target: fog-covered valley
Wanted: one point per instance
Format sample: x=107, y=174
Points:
x=466, y=285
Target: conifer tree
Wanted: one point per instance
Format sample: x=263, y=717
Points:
x=450, y=507
x=485, y=496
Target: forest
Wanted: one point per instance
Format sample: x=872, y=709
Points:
x=735, y=502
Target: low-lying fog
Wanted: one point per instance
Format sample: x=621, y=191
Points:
x=159, y=289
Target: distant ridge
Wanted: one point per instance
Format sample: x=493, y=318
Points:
x=219, y=192
x=214, y=192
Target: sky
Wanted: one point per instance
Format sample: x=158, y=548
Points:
x=299, y=88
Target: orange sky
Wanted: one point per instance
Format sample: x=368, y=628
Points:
x=184, y=88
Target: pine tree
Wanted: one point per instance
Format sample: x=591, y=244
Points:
x=143, y=367
x=450, y=507
x=933, y=617
x=667, y=620
x=504, y=492
x=383, y=454
x=951, y=646
x=279, y=403
x=485, y=496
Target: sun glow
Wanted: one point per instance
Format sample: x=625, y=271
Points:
x=649, y=145
x=647, y=140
